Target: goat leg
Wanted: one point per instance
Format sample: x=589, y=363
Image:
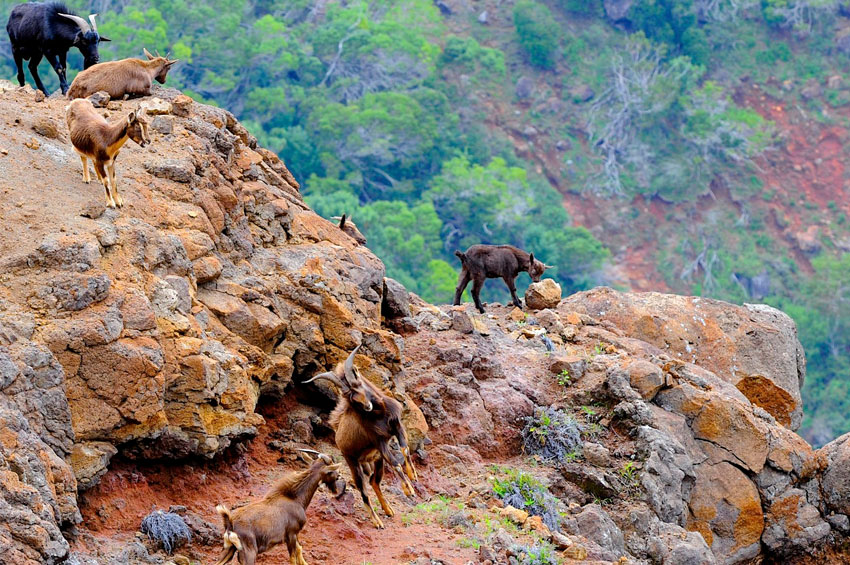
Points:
x=300, y=550
x=292, y=546
x=477, y=284
x=19, y=62
x=86, y=172
x=34, y=61
x=100, y=171
x=114, y=186
x=359, y=482
x=409, y=469
x=376, y=486
x=53, y=59
x=461, y=286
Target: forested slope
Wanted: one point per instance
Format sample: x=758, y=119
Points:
x=693, y=146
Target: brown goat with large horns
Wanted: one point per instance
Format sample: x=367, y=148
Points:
x=369, y=432
x=279, y=517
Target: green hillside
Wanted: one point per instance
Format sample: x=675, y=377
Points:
x=437, y=125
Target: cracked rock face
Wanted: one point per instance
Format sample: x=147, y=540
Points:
x=152, y=330
x=728, y=340
x=722, y=478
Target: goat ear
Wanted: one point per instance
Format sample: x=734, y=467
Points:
x=169, y=63
x=342, y=222
x=335, y=466
x=132, y=117
x=147, y=54
x=102, y=38
x=531, y=258
x=547, y=267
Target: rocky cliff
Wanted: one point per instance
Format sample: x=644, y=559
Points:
x=140, y=345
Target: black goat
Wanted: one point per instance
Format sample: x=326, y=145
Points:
x=481, y=262
x=39, y=30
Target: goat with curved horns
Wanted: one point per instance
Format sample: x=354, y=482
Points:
x=369, y=432
x=280, y=516
x=49, y=30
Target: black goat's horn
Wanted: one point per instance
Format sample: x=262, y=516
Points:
x=93, y=23
x=84, y=25
x=349, y=366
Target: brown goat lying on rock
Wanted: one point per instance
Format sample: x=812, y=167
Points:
x=481, y=262
x=369, y=433
x=279, y=517
x=96, y=139
x=127, y=77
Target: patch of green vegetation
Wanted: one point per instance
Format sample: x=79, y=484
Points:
x=537, y=32
x=523, y=491
x=541, y=553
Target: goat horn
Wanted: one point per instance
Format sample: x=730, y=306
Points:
x=84, y=25
x=93, y=23
x=329, y=376
x=306, y=453
x=349, y=365
x=323, y=456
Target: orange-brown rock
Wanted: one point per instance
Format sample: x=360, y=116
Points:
x=754, y=347
x=726, y=509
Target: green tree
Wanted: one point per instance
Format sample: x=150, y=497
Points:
x=537, y=32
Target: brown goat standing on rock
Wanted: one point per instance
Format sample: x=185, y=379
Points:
x=369, y=433
x=127, y=77
x=481, y=262
x=96, y=139
x=279, y=517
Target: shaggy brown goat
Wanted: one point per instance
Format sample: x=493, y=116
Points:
x=278, y=518
x=481, y=262
x=369, y=432
x=347, y=226
x=127, y=77
x=96, y=139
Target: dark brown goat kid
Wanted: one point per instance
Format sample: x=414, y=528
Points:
x=369, y=433
x=481, y=262
x=127, y=77
x=278, y=518
x=347, y=226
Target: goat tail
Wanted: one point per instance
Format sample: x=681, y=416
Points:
x=461, y=255
x=232, y=543
x=225, y=517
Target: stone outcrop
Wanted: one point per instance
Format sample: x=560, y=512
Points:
x=152, y=331
x=722, y=476
x=728, y=340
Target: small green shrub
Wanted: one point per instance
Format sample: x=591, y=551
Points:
x=523, y=491
x=537, y=32
x=540, y=553
x=551, y=434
